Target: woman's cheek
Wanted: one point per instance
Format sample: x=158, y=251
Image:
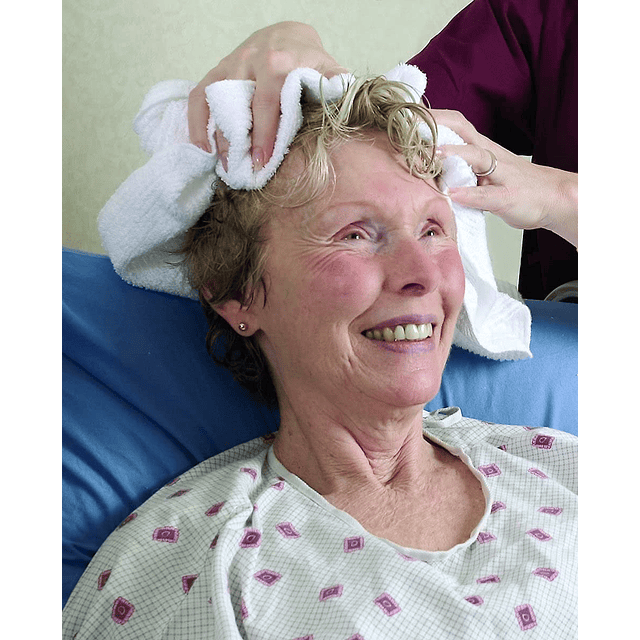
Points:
x=454, y=275
x=344, y=278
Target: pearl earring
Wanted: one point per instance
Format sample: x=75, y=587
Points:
x=242, y=326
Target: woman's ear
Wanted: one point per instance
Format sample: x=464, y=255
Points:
x=241, y=319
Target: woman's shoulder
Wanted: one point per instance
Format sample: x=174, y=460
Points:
x=535, y=451
x=452, y=426
x=154, y=558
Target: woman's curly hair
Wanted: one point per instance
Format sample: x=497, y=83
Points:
x=225, y=251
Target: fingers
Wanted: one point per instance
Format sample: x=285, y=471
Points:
x=480, y=159
x=266, y=102
x=266, y=117
x=222, y=147
x=509, y=186
x=198, y=109
x=487, y=198
x=500, y=200
x=198, y=118
x=455, y=121
x=334, y=71
x=266, y=56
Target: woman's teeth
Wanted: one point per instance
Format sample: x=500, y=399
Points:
x=401, y=332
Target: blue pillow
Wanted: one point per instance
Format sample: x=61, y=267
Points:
x=143, y=401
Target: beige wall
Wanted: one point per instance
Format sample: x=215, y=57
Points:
x=113, y=52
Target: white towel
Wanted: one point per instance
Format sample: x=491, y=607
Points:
x=146, y=218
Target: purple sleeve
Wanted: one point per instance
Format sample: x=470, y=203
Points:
x=510, y=66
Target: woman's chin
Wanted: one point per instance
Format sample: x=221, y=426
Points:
x=415, y=391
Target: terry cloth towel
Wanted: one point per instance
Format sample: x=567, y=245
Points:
x=145, y=220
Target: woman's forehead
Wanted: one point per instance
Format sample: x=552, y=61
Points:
x=372, y=171
x=366, y=172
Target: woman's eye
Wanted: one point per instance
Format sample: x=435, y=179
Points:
x=355, y=234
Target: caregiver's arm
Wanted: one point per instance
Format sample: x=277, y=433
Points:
x=523, y=194
x=267, y=56
x=526, y=196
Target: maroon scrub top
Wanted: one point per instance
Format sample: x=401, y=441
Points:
x=511, y=68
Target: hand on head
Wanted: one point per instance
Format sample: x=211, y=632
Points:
x=267, y=57
x=523, y=194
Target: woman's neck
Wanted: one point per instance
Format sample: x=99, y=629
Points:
x=339, y=455
x=385, y=474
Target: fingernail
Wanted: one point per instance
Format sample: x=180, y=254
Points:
x=257, y=156
x=223, y=159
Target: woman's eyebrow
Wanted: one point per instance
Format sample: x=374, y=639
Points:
x=347, y=202
x=326, y=212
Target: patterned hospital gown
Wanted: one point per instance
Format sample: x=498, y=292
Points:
x=238, y=547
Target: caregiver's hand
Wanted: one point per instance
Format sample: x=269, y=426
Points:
x=267, y=56
x=523, y=194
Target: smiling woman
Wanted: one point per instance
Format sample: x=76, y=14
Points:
x=228, y=245
x=377, y=254
x=328, y=284
x=335, y=291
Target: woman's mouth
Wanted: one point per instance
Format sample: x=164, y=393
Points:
x=401, y=332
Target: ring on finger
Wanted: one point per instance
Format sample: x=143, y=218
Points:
x=492, y=168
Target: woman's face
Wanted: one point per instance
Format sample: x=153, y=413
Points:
x=343, y=271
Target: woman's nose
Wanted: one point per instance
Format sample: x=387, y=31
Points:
x=412, y=269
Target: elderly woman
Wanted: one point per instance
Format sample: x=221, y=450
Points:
x=335, y=291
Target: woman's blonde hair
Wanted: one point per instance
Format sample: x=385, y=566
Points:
x=225, y=251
